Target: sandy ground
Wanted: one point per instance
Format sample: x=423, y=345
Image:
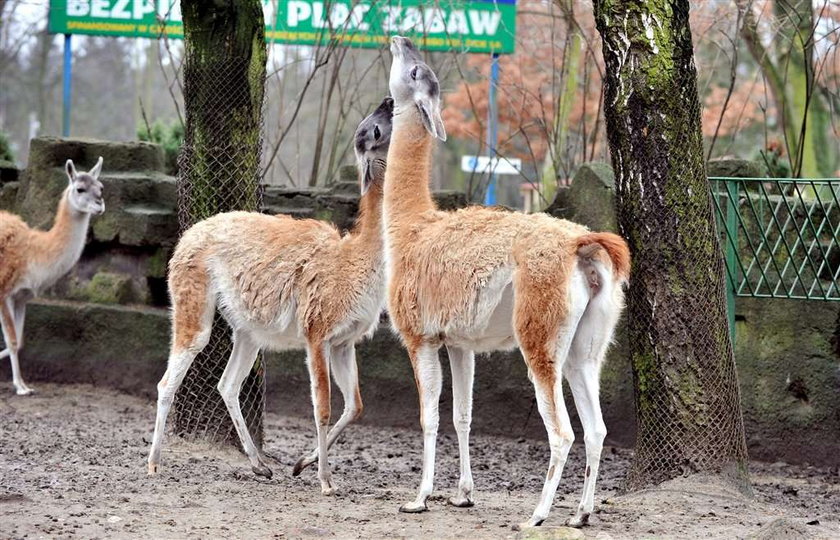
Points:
x=73, y=464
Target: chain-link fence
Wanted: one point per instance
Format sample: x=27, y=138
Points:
x=219, y=169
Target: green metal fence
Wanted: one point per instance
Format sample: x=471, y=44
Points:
x=780, y=237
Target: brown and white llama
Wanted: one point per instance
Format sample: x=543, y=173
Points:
x=283, y=283
x=482, y=279
x=32, y=260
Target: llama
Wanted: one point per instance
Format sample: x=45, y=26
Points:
x=482, y=279
x=32, y=260
x=283, y=283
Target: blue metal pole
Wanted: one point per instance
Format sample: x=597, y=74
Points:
x=68, y=75
x=492, y=128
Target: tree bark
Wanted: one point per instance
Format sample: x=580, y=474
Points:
x=686, y=387
x=219, y=166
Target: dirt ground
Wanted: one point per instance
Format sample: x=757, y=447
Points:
x=73, y=464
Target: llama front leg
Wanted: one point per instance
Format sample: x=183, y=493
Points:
x=346, y=375
x=462, y=364
x=318, y=363
x=427, y=375
x=242, y=359
x=10, y=322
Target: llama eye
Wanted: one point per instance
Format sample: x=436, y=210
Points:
x=80, y=190
x=414, y=73
x=376, y=132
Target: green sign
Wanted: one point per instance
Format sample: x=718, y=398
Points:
x=479, y=26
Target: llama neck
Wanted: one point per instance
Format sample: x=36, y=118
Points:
x=407, y=191
x=59, y=248
x=368, y=225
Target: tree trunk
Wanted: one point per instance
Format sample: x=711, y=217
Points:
x=687, y=396
x=224, y=79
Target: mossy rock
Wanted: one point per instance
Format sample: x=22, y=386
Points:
x=734, y=168
x=48, y=152
x=106, y=288
x=157, y=263
x=592, y=196
x=140, y=207
x=550, y=533
x=561, y=206
x=8, y=196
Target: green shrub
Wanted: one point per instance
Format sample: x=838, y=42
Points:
x=170, y=136
x=5, y=148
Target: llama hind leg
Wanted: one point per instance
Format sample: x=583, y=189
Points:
x=584, y=384
x=346, y=375
x=582, y=370
x=191, y=333
x=462, y=364
x=242, y=359
x=546, y=373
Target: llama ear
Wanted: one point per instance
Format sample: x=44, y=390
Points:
x=94, y=172
x=71, y=170
x=430, y=114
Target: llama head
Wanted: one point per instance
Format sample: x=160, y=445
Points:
x=372, y=139
x=414, y=85
x=85, y=190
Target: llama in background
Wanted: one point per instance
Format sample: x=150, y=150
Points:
x=32, y=260
x=283, y=283
x=481, y=279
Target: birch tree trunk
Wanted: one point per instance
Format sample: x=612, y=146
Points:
x=686, y=387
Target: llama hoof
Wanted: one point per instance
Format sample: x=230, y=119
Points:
x=460, y=502
x=153, y=469
x=328, y=491
x=24, y=391
x=413, y=508
x=580, y=520
x=262, y=470
x=301, y=464
x=527, y=524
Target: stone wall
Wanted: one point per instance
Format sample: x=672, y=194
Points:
x=790, y=382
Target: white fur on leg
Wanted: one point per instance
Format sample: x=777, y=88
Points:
x=346, y=375
x=9, y=321
x=553, y=407
x=584, y=385
x=242, y=359
x=429, y=381
x=582, y=370
x=176, y=369
x=462, y=364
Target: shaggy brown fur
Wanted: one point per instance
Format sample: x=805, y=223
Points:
x=440, y=261
x=22, y=247
x=273, y=262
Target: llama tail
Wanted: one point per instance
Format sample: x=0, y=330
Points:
x=590, y=245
